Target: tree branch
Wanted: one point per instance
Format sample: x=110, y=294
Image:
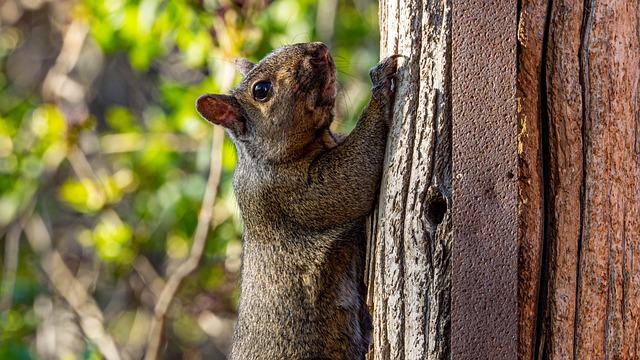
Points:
x=190, y=264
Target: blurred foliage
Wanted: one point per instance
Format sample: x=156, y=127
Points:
x=100, y=140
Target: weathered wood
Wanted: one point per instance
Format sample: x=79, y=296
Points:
x=608, y=293
x=410, y=243
x=531, y=31
x=564, y=167
x=589, y=300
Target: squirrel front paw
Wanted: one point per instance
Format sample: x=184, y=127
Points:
x=383, y=78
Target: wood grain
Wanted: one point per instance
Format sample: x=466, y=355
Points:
x=409, y=284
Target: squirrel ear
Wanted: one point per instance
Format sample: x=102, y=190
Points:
x=222, y=110
x=244, y=65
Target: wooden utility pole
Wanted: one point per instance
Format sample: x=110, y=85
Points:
x=508, y=224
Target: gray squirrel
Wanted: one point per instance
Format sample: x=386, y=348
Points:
x=304, y=194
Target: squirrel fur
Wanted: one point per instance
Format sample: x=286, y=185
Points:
x=304, y=194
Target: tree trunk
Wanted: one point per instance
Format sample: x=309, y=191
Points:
x=577, y=89
x=410, y=255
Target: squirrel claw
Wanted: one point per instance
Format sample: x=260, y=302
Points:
x=383, y=76
x=385, y=70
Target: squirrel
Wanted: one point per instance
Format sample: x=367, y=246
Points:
x=304, y=194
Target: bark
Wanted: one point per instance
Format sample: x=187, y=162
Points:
x=578, y=87
x=531, y=32
x=409, y=258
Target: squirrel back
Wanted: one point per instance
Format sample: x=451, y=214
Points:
x=304, y=194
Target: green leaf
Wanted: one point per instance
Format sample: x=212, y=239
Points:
x=112, y=239
x=83, y=196
x=121, y=119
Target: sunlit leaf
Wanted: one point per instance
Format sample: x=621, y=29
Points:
x=48, y=124
x=112, y=238
x=121, y=119
x=84, y=195
x=177, y=246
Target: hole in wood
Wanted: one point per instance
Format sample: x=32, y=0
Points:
x=436, y=206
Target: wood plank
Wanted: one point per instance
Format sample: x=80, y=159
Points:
x=484, y=256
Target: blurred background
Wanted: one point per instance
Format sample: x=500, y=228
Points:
x=104, y=163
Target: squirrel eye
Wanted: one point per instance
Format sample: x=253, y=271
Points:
x=261, y=90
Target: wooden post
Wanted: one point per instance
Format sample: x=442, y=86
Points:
x=509, y=217
x=485, y=199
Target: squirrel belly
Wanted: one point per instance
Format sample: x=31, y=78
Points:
x=304, y=195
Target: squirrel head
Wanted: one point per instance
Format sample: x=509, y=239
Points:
x=283, y=104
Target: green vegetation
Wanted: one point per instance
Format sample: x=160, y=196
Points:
x=104, y=161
